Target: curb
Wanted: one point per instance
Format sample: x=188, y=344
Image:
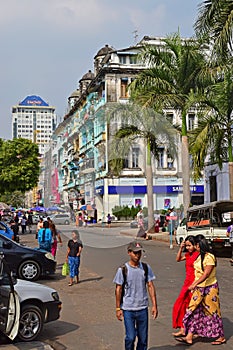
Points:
x=27, y=346
x=161, y=237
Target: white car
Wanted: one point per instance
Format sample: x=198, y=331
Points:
x=61, y=219
x=25, y=306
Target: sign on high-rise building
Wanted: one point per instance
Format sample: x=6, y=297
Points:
x=34, y=119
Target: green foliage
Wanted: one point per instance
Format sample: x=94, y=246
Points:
x=215, y=22
x=134, y=211
x=137, y=124
x=115, y=166
x=174, y=76
x=19, y=165
x=125, y=212
x=16, y=199
x=213, y=136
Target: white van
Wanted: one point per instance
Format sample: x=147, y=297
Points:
x=25, y=306
x=210, y=220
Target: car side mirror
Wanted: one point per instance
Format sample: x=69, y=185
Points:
x=7, y=245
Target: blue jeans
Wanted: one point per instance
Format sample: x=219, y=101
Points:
x=136, y=324
x=74, y=262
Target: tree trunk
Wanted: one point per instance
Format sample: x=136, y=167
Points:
x=149, y=183
x=230, y=165
x=185, y=173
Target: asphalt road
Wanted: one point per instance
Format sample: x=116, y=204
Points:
x=88, y=315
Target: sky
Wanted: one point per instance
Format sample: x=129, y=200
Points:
x=48, y=45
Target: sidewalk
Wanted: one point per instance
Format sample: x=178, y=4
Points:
x=127, y=231
x=161, y=236
x=36, y=345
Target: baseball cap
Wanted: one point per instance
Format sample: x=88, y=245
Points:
x=135, y=246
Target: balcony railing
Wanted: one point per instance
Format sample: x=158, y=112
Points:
x=88, y=164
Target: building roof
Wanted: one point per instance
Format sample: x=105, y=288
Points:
x=33, y=100
x=104, y=51
x=76, y=93
x=88, y=76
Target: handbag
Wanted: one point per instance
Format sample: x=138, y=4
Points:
x=65, y=269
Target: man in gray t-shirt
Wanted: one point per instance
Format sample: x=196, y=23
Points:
x=132, y=281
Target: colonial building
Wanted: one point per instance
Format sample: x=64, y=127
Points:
x=80, y=144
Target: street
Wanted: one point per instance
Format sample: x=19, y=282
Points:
x=88, y=314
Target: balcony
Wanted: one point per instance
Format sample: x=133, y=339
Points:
x=100, y=138
x=87, y=166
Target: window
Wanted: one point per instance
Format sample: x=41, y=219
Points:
x=169, y=117
x=170, y=161
x=133, y=59
x=161, y=157
x=125, y=163
x=124, y=85
x=122, y=59
x=191, y=118
x=135, y=157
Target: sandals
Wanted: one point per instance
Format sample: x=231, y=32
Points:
x=70, y=284
x=184, y=341
x=219, y=342
x=178, y=334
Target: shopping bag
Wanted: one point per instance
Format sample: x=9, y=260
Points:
x=65, y=269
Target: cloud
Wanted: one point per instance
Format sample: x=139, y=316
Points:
x=142, y=19
x=59, y=15
x=47, y=45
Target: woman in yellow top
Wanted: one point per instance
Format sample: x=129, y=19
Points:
x=203, y=315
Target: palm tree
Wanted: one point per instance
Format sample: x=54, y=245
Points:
x=135, y=124
x=215, y=21
x=175, y=69
x=212, y=139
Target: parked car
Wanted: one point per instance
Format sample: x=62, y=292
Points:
x=27, y=263
x=36, y=218
x=27, y=306
x=5, y=230
x=61, y=219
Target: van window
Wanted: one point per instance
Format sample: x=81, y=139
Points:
x=226, y=219
x=199, y=218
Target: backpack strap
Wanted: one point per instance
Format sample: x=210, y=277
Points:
x=125, y=270
x=145, y=268
x=124, y=273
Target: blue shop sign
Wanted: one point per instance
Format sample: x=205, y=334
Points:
x=156, y=189
x=126, y=189
x=178, y=189
x=99, y=190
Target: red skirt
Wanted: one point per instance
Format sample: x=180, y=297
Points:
x=180, y=306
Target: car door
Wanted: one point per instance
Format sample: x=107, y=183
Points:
x=7, y=248
x=9, y=303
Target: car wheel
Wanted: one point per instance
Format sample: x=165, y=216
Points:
x=67, y=222
x=30, y=323
x=29, y=270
